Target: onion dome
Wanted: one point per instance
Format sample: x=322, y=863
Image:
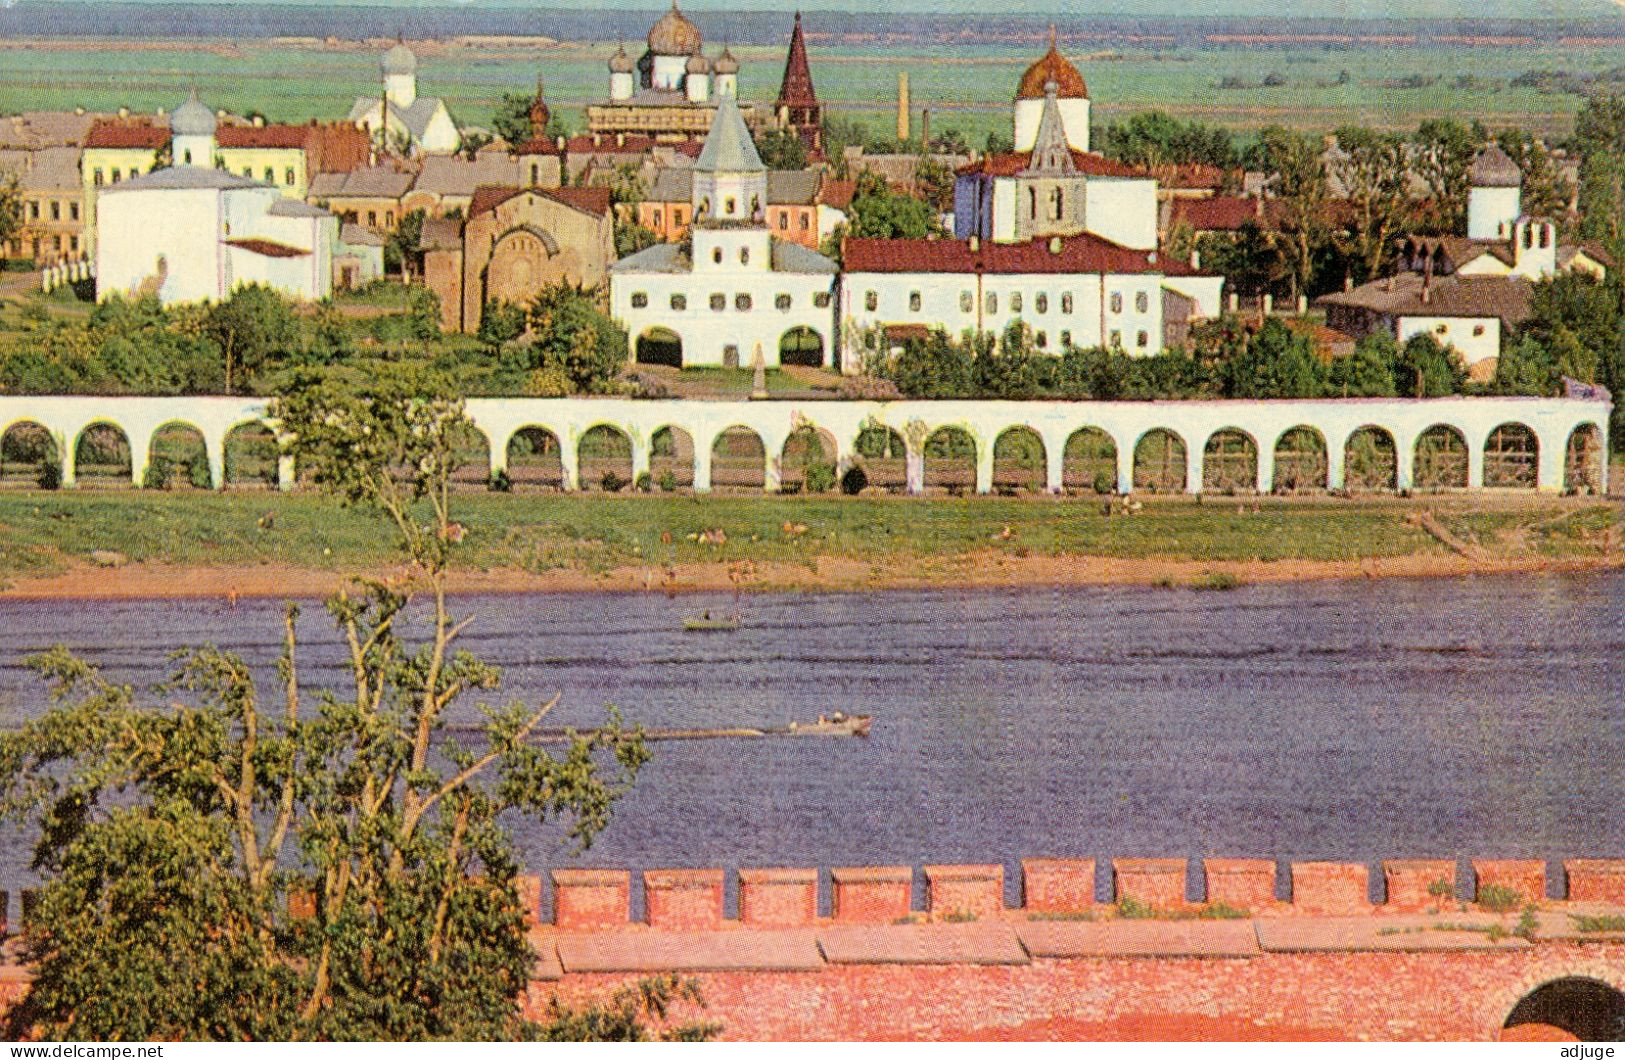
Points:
x=674, y=34
x=726, y=63
x=698, y=64
x=1053, y=66
x=620, y=62
x=1494, y=168
x=400, y=60
x=192, y=118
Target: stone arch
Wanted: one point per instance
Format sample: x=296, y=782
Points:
x=1159, y=462
x=1019, y=460
x=101, y=455
x=1230, y=462
x=472, y=449
x=177, y=457
x=738, y=460
x=949, y=459
x=1089, y=461
x=604, y=459
x=1300, y=460
x=1370, y=460
x=1441, y=459
x=535, y=458
x=28, y=456
x=1583, y=459
x=671, y=459
x=1512, y=457
x=657, y=345
x=1579, y=1006
x=802, y=345
x=807, y=460
x=250, y=456
x=884, y=457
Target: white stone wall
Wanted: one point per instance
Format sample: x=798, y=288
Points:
x=1206, y=291
x=1551, y=419
x=706, y=332
x=1476, y=337
x=1122, y=210
x=1491, y=211
x=183, y=226
x=669, y=71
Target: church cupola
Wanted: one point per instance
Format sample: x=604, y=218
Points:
x=672, y=41
x=539, y=115
x=400, y=75
x=620, y=76
x=697, y=78
x=726, y=69
x=191, y=134
x=1071, y=94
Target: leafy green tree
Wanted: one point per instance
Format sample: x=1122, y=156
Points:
x=11, y=207
x=571, y=337
x=1442, y=152
x=878, y=212
x=1426, y=369
x=1372, y=168
x=934, y=182
x=1546, y=191
x=631, y=238
x=401, y=251
x=1526, y=367
x=1276, y=362
x=1368, y=371
x=501, y=322
x=1251, y=261
x=1299, y=179
x=1157, y=138
x=254, y=329
x=933, y=367
x=511, y=117
x=174, y=834
x=1599, y=136
x=781, y=149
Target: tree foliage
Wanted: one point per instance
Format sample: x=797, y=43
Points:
x=1157, y=138
x=781, y=149
x=878, y=212
x=253, y=327
x=174, y=834
x=570, y=336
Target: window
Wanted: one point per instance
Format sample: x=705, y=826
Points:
x=1041, y=303
x=1032, y=203
x=1442, y=328
x=73, y=242
x=967, y=301
x=716, y=255
x=1066, y=339
x=730, y=206
x=744, y=255
x=719, y=302
x=679, y=302
x=804, y=224
x=56, y=211
x=782, y=303
x=96, y=178
x=1041, y=340
x=640, y=300
x=1478, y=331
x=1066, y=302
x=33, y=211
x=248, y=171
x=270, y=175
x=992, y=303
x=821, y=299
x=389, y=218
x=742, y=302
x=1142, y=340
x=654, y=218
x=372, y=217
x=784, y=221
x=1117, y=339
x=118, y=174
x=1142, y=302
x=914, y=301
x=73, y=211
x=188, y=157
x=1015, y=301
x=1117, y=303
x=871, y=301
x=536, y=178
x=287, y=176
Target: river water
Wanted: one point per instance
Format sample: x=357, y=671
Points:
x=1465, y=718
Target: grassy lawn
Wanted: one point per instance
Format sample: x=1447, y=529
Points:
x=45, y=532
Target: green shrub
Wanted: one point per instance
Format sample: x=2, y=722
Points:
x=668, y=480
x=855, y=481
x=1498, y=899
x=1442, y=888
x=643, y=483
x=156, y=477
x=1593, y=924
x=1131, y=908
x=197, y=473
x=820, y=477
x=50, y=475
x=612, y=483
x=1105, y=482
x=499, y=482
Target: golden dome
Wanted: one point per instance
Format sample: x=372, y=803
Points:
x=1053, y=66
x=674, y=34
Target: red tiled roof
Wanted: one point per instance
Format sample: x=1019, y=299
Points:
x=1078, y=254
x=837, y=193
x=1090, y=164
x=267, y=247
x=1189, y=175
x=609, y=144
x=1221, y=213
x=538, y=145
x=127, y=135
x=262, y=135
x=488, y=197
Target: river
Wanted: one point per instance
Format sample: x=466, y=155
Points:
x=1465, y=718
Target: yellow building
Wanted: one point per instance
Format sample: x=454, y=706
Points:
x=114, y=152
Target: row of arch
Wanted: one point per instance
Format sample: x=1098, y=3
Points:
x=661, y=345
x=948, y=458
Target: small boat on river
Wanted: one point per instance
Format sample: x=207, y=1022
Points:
x=709, y=623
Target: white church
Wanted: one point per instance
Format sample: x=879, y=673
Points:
x=733, y=294
x=194, y=232
x=422, y=121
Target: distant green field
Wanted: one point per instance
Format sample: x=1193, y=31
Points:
x=967, y=88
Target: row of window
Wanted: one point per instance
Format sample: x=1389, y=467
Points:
x=967, y=302
x=55, y=210
x=99, y=178
x=59, y=243
x=1444, y=329
x=742, y=302
x=1142, y=339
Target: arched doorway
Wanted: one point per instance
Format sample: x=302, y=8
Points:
x=1512, y=458
x=884, y=457
x=177, y=458
x=807, y=462
x=1019, y=461
x=534, y=459
x=1159, y=462
x=671, y=459
x=1230, y=462
x=101, y=457
x=28, y=457
x=738, y=460
x=604, y=459
x=1300, y=461
x=250, y=456
x=1089, y=462
x=1370, y=461
x=660, y=346
x=950, y=460
x=1441, y=459
x=472, y=453
x=1582, y=460
x=802, y=346
x=1586, y=1009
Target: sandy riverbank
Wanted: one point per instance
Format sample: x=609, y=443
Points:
x=825, y=574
